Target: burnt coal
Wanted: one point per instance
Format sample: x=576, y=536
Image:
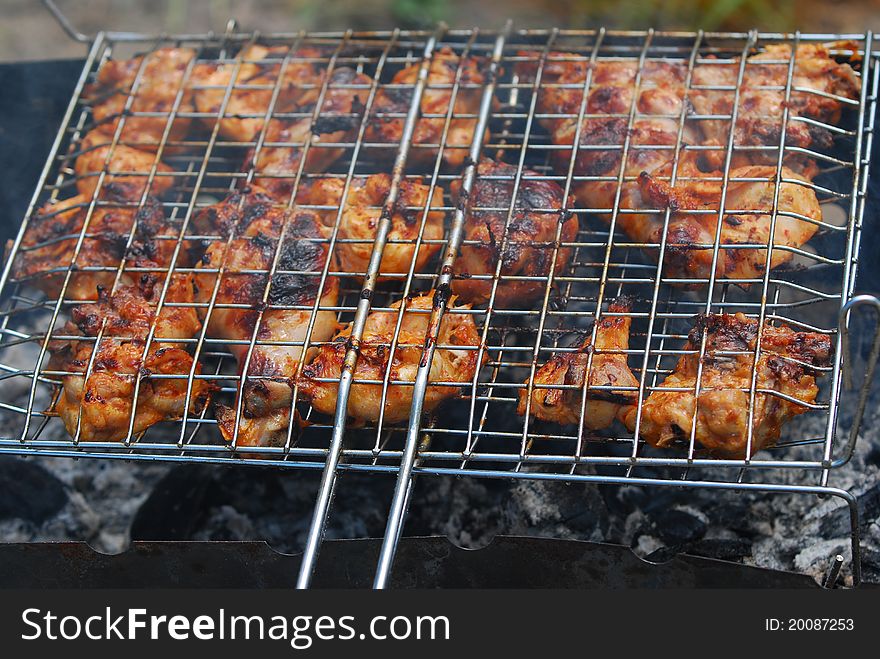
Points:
x=871, y=565
x=679, y=527
x=29, y=492
x=837, y=523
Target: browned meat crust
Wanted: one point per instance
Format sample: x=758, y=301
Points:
x=719, y=415
x=525, y=245
x=605, y=361
x=359, y=222
x=256, y=224
x=455, y=360
x=392, y=103
x=279, y=160
x=102, y=403
x=49, y=244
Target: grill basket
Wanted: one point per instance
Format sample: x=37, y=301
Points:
x=479, y=433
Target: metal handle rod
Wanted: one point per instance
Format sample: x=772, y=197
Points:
x=329, y=475
x=65, y=23
x=441, y=298
x=856, y=211
x=843, y=329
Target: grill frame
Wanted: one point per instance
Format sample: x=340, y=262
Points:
x=409, y=460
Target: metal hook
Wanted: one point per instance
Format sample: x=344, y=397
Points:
x=65, y=24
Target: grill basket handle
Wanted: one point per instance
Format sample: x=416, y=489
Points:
x=65, y=23
x=843, y=327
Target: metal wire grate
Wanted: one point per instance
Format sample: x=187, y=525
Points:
x=478, y=433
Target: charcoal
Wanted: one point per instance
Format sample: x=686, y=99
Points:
x=29, y=492
x=871, y=565
x=837, y=522
x=679, y=527
x=175, y=507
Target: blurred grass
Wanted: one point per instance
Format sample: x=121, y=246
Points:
x=27, y=31
x=635, y=14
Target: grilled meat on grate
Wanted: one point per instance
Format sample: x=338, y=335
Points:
x=238, y=270
x=521, y=234
x=50, y=242
x=718, y=416
x=97, y=395
x=455, y=361
x=596, y=363
x=360, y=216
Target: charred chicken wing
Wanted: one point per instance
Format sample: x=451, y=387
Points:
x=252, y=80
x=128, y=169
x=159, y=80
x=719, y=413
x=242, y=267
x=102, y=403
x=360, y=218
x=49, y=245
x=279, y=159
x=392, y=104
x=818, y=85
x=694, y=205
x=606, y=364
x=525, y=245
x=612, y=92
x=455, y=360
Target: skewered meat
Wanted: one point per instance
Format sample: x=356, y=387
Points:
x=159, y=81
x=49, y=243
x=607, y=368
x=253, y=81
x=719, y=414
x=393, y=101
x=256, y=224
x=525, y=245
x=455, y=360
x=276, y=167
x=128, y=169
x=102, y=403
x=694, y=205
x=361, y=215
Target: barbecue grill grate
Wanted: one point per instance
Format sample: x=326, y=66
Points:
x=478, y=434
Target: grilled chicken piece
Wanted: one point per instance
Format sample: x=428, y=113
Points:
x=49, y=243
x=455, y=360
x=276, y=167
x=256, y=223
x=655, y=132
x=253, y=82
x=361, y=216
x=526, y=245
x=392, y=103
x=128, y=169
x=655, y=128
x=720, y=412
x=816, y=80
x=159, y=78
x=102, y=403
x=662, y=96
x=608, y=368
x=690, y=236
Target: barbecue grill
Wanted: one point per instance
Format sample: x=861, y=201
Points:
x=477, y=434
